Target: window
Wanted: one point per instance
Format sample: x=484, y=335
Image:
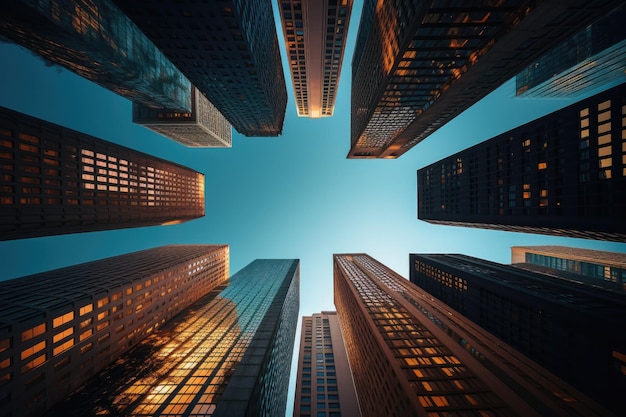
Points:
x=65, y=318
x=35, y=331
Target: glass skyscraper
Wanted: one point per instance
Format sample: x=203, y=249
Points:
x=227, y=355
x=59, y=328
x=412, y=355
x=563, y=174
x=418, y=64
x=57, y=180
x=571, y=329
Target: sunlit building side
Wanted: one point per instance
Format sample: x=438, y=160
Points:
x=57, y=180
x=419, y=64
x=228, y=49
x=324, y=383
x=591, y=58
x=59, y=328
x=227, y=355
x=95, y=40
x=315, y=34
x=572, y=329
x=594, y=267
x=412, y=355
x=563, y=174
x=202, y=127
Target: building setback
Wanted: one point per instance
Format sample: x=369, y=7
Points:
x=202, y=127
x=228, y=355
x=411, y=355
x=324, y=383
x=417, y=65
x=563, y=174
x=59, y=328
x=95, y=40
x=229, y=51
x=593, y=267
x=570, y=328
x=315, y=37
x=57, y=180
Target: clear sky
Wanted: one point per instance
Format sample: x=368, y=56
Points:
x=294, y=196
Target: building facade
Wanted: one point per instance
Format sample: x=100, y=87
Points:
x=594, y=267
x=202, y=127
x=594, y=56
x=315, y=37
x=95, y=40
x=324, y=382
x=229, y=354
x=412, y=355
x=562, y=174
x=570, y=328
x=59, y=328
x=229, y=51
x=57, y=180
x=417, y=65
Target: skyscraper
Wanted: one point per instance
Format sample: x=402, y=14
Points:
x=229, y=354
x=570, y=328
x=324, y=383
x=57, y=180
x=417, y=64
x=59, y=328
x=229, y=51
x=315, y=34
x=95, y=40
x=412, y=355
x=562, y=174
x=592, y=57
x=202, y=127
x=594, y=267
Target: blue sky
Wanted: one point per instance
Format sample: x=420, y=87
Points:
x=294, y=196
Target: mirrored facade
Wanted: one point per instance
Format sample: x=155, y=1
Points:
x=59, y=328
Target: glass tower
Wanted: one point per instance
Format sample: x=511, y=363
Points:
x=59, y=328
x=229, y=354
x=315, y=36
x=412, y=355
x=563, y=174
x=418, y=64
x=569, y=328
x=229, y=51
x=57, y=180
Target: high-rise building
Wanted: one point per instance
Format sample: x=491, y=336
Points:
x=227, y=355
x=594, y=56
x=324, y=384
x=418, y=64
x=562, y=174
x=412, y=355
x=59, y=328
x=315, y=34
x=94, y=39
x=572, y=329
x=57, y=180
x=202, y=127
x=228, y=49
x=594, y=267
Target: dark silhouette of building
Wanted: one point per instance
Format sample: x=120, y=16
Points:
x=562, y=174
x=315, y=34
x=412, y=355
x=229, y=51
x=417, y=65
x=324, y=383
x=57, y=180
x=227, y=355
x=592, y=57
x=59, y=328
x=572, y=329
x=95, y=40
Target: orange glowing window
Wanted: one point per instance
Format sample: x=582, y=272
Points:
x=65, y=318
x=542, y=165
x=35, y=331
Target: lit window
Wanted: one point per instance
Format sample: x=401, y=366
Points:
x=65, y=318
